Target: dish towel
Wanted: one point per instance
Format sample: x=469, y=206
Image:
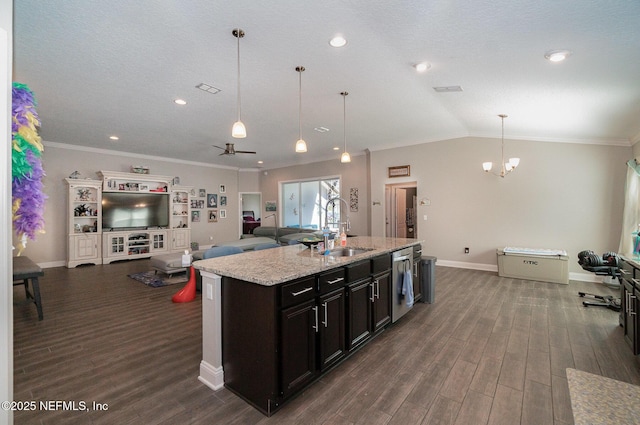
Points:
x=407, y=283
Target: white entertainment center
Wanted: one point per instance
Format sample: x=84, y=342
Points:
x=91, y=243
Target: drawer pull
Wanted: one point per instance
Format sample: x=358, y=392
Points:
x=295, y=294
x=331, y=282
x=623, y=271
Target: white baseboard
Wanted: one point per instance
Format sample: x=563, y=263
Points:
x=211, y=376
x=52, y=264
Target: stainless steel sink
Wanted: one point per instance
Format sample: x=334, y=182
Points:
x=348, y=252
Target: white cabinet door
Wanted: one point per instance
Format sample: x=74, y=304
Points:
x=84, y=248
x=181, y=239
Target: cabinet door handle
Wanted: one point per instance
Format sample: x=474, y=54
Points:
x=626, y=302
x=623, y=271
x=631, y=309
x=331, y=282
x=377, y=282
x=315, y=312
x=326, y=321
x=415, y=269
x=295, y=294
x=373, y=299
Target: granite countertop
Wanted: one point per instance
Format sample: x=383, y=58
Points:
x=597, y=400
x=277, y=265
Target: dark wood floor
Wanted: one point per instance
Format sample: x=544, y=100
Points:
x=491, y=350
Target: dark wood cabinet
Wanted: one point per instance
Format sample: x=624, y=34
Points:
x=417, y=279
x=333, y=344
x=381, y=300
x=630, y=303
x=279, y=339
x=359, y=324
x=298, y=350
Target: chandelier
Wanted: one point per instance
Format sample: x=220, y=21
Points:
x=506, y=167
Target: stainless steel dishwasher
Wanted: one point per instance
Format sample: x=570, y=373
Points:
x=402, y=261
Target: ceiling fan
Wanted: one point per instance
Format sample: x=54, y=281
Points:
x=230, y=150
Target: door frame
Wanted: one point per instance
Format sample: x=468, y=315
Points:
x=390, y=218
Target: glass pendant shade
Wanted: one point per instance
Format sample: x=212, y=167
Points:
x=301, y=146
x=506, y=166
x=345, y=157
x=238, y=131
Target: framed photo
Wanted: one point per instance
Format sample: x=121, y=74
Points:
x=212, y=200
x=197, y=203
x=223, y=202
x=270, y=205
x=399, y=171
x=223, y=189
x=213, y=216
x=202, y=193
x=195, y=216
x=223, y=213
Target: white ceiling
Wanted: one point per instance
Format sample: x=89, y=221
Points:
x=101, y=68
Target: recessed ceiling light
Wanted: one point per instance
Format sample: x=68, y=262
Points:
x=180, y=102
x=336, y=148
x=557, y=55
x=321, y=129
x=338, y=41
x=208, y=88
x=422, y=66
x=260, y=162
x=114, y=138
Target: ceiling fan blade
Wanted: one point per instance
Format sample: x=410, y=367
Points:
x=245, y=152
x=218, y=147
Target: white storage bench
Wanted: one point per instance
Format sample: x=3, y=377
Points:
x=545, y=265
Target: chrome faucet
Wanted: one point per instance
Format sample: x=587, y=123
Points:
x=275, y=219
x=346, y=208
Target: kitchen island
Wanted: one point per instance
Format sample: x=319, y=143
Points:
x=274, y=321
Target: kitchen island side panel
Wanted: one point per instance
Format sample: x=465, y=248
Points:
x=250, y=345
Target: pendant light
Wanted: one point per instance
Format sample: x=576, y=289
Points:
x=345, y=155
x=301, y=145
x=238, y=131
x=508, y=166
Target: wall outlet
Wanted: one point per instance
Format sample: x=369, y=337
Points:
x=466, y=250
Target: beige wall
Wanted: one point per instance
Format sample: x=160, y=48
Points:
x=59, y=161
x=353, y=175
x=566, y=196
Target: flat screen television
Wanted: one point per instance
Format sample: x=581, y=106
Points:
x=134, y=210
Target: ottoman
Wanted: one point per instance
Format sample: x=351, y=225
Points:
x=167, y=263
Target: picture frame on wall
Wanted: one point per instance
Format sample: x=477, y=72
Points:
x=223, y=189
x=212, y=200
x=213, y=216
x=223, y=213
x=195, y=216
x=202, y=193
x=399, y=171
x=223, y=201
x=270, y=206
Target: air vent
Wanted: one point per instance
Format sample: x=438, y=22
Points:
x=208, y=88
x=447, y=89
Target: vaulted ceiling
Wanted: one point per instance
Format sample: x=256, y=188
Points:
x=103, y=68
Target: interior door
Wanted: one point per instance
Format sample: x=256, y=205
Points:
x=401, y=212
